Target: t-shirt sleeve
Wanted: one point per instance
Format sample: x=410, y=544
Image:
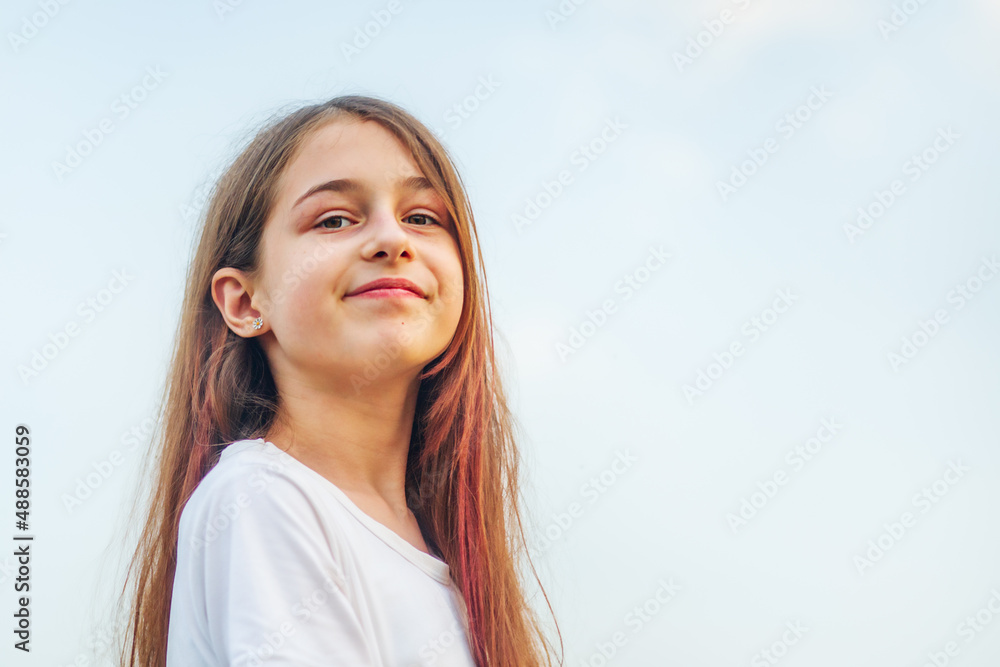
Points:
x=273, y=591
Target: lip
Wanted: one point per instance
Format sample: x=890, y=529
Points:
x=387, y=287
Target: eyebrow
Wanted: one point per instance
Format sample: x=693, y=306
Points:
x=351, y=186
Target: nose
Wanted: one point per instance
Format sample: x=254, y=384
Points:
x=386, y=237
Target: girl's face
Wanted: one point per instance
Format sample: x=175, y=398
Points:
x=352, y=207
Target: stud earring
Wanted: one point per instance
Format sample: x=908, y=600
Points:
x=258, y=323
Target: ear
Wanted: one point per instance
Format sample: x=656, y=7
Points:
x=232, y=291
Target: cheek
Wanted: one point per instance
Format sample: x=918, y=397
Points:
x=292, y=294
x=302, y=295
x=450, y=289
x=308, y=273
x=451, y=303
x=450, y=271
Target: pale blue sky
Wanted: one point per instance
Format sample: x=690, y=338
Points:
x=888, y=95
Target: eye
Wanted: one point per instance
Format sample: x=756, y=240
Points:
x=332, y=217
x=423, y=219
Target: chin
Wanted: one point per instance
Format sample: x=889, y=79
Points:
x=394, y=356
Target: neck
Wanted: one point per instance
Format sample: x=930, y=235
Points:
x=359, y=440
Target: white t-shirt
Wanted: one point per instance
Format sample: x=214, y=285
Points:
x=277, y=566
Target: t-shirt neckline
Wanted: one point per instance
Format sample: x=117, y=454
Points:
x=433, y=566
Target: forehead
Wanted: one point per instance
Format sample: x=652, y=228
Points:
x=361, y=150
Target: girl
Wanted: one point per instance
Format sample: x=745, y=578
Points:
x=338, y=478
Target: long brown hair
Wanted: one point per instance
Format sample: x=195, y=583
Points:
x=462, y=480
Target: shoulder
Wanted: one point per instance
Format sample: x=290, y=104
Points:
x=252, y=488
x=244, y=467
